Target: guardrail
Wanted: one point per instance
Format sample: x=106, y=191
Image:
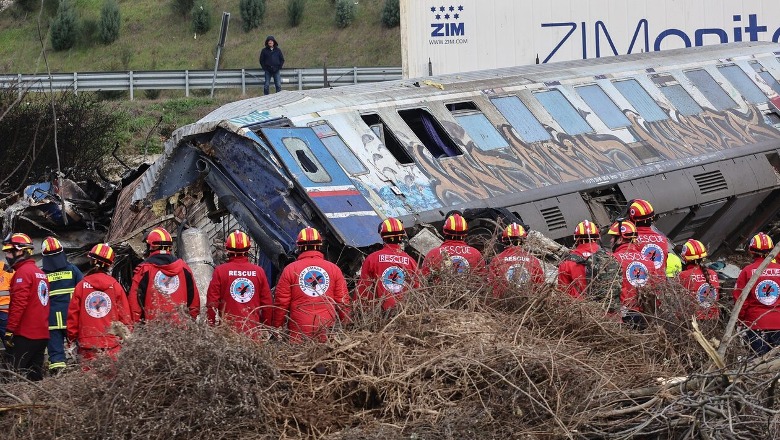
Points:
x=194, y=79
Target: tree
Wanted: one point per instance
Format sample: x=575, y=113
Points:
x=391, y=13
x=182, y=7
x=252, y=13
x=295, y=12
x=345, y=13
x=201, y=17
x=64, y=28
x=110, y=22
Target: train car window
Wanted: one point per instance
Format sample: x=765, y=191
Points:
x=519, y=117
x=766, y=76
x=603, y=106
x=388, y=138
x=476, y=124
x=338, y=148
x=563, y=112
x=642, y=102
x=681, y=100
x=306, y=160
x=747, y=88
x=430, y=133
x=711, y=89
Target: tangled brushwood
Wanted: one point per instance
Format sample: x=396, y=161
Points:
x=453, y=363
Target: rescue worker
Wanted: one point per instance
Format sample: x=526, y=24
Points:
x=239, y=291
x=63, y=277
x=6, y=275
x=514, y=266
x=761, y=310
x=571, y=273
x=454, y=255
x=98, y=301
x=674, y=264
x=699, y=280
x=163, y=283
x=311, y=294
x=652, y=242
x=27, y=333
x=389, y=272
x=638, y=272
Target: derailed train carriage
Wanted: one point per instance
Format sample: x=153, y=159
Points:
x=696, y=131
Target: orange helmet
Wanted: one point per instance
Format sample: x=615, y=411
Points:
x=51, y=246
x=693, y=250
x=102, y=253
x=514, y=231
x=309, y=237
x=391, y=227
x=640, y=210
x=623, y=228
x=586, y=229
x=18, y=241
x=238, y=242
x=761, y=243
x=159, y=238
x=456, y=225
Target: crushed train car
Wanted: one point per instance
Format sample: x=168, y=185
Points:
x=696, y=131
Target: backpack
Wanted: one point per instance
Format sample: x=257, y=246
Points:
x=604, y=278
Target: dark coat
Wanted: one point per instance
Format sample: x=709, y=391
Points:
x=271, y=59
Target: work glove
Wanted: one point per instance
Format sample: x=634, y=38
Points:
x=9, y=339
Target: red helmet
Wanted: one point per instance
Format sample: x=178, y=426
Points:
x=159, y=238
x=51, y=246
x=18, y=241
x=391, y=227
x=309, y=237
x=623, y=228
x=586, y=229
x=238, y=241
x=102, y=253
x=693, y=250
x=761, y=243
x=456, y=225
x=640, y=210
x=514, y=231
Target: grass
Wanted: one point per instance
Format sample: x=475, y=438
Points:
x=152, y=35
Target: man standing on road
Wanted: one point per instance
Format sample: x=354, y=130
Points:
x=271, y=61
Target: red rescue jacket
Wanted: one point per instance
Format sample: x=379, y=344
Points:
x=638, y=271
x=28, y=313
x=161, y=285
x=705, y=288
x=239, y=292
x=456, y=256
x=654, y=245
x=387, y=274
x=98, y=300
x=514, y=266
x=311, y=293
x=761, y=310
x=572, y=277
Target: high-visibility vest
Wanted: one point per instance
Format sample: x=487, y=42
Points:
x=5, y=287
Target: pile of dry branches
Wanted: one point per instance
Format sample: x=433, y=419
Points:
x=453, y=363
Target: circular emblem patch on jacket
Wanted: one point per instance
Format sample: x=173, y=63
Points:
x=393, y=279
x=767, y=292
x=97, y=304
x=517, y=274
x=637, y=274
x=654, y=252
x=242, y=290
x=459, y=264
x=165, y=284
x=43, y=292
x=314, y=281
x=706, y=295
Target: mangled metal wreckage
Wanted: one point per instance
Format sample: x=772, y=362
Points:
x=695, y=131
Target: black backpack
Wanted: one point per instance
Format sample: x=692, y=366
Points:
x=602, y=272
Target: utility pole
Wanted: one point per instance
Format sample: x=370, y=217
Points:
x=222, y=37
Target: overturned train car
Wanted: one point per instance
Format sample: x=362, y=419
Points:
x=695, y=131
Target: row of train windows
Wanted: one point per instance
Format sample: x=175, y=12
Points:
x=485, y=135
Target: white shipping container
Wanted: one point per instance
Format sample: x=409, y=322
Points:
x=439, y=37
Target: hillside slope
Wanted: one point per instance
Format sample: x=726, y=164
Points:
x=154, y=38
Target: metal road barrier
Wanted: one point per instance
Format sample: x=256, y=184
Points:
x=194, y=79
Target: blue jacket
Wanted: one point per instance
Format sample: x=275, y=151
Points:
x=62, y=281
x=271, y=60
